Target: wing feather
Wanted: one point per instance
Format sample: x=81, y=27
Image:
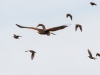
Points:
x=76, y=27
x=32, y=56
x=89, y=52
x=80, y=28
x=56, y=28
x=27, y=27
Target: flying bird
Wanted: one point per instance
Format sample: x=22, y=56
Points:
x=16, y=36
x=44, y=30
x=69, y=15
x=32, y=55
x=92, y=3
x=90, y=55
x=98, y=54
x=78, y=25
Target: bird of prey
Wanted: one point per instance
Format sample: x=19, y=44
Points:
x=78, y=25
x=92, y=3
x=98, y=54
x=32, y=55
x=90, y=55
x=16, y=36
x=69, y=15
x=44, y=30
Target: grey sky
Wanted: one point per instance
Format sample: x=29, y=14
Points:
x=61, y=54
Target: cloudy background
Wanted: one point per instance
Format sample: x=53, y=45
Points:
x=61, y=54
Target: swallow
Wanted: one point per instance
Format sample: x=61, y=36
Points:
x=32, y=55
x=90, y=55
x=16, y=36
x=69, y=15
x=92, y=3
x=98, y=54
x=78, y=25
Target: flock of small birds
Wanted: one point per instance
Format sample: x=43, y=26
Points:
x=47, y=32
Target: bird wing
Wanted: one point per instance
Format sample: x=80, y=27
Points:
x=56, y=28
x=19, y=36
x=76, y=27
x=89, y=52
x=69, y=16
x=97, y=54
x=27, y=27
x=32, y=56
x=92, y=3
x=80, y=28
x=43, y=26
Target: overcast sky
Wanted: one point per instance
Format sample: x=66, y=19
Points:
x=61, y=54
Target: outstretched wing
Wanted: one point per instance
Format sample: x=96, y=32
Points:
x=32, y=56
x=89, y=52
x=56, y=28
x=80, y=28
x=27, y=27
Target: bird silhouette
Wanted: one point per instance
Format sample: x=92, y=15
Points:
x=78, y=26
x=90, y=55
x=92, y=3
x=16, y=36
x=44, y=30
x=98, y=54
x=32, y=55
x=69, y=15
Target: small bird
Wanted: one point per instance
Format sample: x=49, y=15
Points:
x=32, y=55
x=91, y=57
x=98, y=54
x=16, y=36
x=92, y=3
x=78, y=25
x=69, y=15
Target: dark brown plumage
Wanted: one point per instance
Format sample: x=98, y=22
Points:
x=78, y=26
x=98, y=54
x=44, y=30
x=69, y=15
x=92, y=3
x=90, y=55
x=16, y=36
x=33, y=53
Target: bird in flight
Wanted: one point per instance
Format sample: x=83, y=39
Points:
x=92, y=3
x=44, y=30
x=78, y=25
x=69, y=15
x=98, y=54
x=90, y=55
x=16, y=36
x=32, y=55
